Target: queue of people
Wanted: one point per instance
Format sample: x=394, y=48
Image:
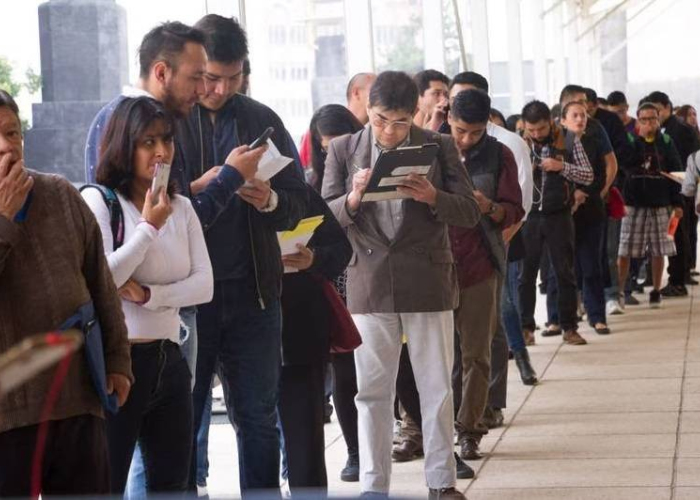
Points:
x=440, y=284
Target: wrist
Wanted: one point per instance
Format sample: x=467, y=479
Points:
x=146, y=295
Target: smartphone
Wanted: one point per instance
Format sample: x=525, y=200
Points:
x=161, y=177
x=263, y=138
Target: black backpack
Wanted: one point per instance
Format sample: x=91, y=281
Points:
x=116, y=216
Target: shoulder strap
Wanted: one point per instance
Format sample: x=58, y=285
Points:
x=116, y=216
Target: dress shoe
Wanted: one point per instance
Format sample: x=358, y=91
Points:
x=601, y=328
x=351, y=471
x=529, y=337
x=469, y=449
x=493, y=417
x=527, y=373
x=674, y=291
x=406, y=451
x=690, y=281
x=551, y=331
x=463, y=470
x=572, y=337
x=445, y=494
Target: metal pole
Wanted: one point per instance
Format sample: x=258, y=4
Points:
x=460, y=36
x=551, y=8
x=241, y=10
x=371, y=36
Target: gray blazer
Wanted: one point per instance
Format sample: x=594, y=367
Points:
x=415, y=271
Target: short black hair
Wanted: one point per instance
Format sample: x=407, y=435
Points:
x=471, y=106
x=165, y=43
x=658, y=97
x=570, y=90
x=423, y=79
x=647, y=105
x=616, y=97
x=512, y=122
x=394, y=91
x=7, y=101
x=354, y=82
x=591, y=95
x=246, y=67
x=225, y=39
x=494, y=113
x=535, y=111
x=602, y=101
x=470, y=78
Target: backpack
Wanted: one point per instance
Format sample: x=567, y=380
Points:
x=116, y=216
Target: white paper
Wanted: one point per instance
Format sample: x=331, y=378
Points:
x=271, y=163
x=289, y=247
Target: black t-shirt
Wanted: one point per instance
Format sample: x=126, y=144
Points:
x=597, y=145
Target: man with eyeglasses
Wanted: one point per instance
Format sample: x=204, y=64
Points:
x=651, y=198
x=401, y=279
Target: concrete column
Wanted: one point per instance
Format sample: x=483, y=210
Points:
x=515, y=56
x=613, y=32
x=359, y=41
x=539, y=51
x=560, y=73
x=480, y=38
x=433, y=35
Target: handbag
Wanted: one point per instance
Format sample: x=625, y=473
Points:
x=344, y=335
x=615, y=204
x=86, y=321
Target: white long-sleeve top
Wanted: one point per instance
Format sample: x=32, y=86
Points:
x=173, y=262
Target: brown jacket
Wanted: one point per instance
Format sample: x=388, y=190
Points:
x=415, y=271
x=50, y=264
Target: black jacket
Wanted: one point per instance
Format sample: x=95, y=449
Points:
x=228, y=220
x=617, y=134
x=684, y=137
x=305, y=311
x=593, y=141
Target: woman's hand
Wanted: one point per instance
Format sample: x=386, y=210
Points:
x=133, y=292
x=301, y=260
x=156, y=214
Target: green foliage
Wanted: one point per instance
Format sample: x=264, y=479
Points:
x=405, y=54
x=6, y=82
x=33, y=84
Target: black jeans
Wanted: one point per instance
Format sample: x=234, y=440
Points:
x=246, y=340
x=555, y=233
x=301, y=409
x=75, y=459
x=158, y=414
x=344, y=392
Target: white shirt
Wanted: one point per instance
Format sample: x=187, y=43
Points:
x=519, y=148
x=173, y=263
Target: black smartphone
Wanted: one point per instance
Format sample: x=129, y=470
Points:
x=260, y=141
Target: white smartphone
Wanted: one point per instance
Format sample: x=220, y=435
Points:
x=161, y=177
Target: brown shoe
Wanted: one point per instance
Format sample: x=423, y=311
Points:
x=406, y=451
x=529, y=337
x=469, y=449
x=572, y=337
x=445, y=494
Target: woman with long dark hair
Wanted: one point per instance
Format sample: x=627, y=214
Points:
x=159, y=262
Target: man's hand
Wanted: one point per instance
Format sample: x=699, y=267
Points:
x=359, y=184
x=678, y=212
x=580, y=198
x=301, y=260
x=419, y=188
x=15, y=185
x=119, y=383
x=438, y=116
x=257, y=193
x=483, y=202
x=132, y=292
x=246, y=160
x=199, y=185
x=552, y=165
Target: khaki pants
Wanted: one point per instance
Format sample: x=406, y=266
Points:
x=476, y=321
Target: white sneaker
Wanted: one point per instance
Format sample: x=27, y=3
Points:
x=202, y=491
x=613, y=307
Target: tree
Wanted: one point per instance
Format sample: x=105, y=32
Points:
x=405, y=53
x=32, y=84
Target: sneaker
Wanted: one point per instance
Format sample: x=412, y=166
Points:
x=202, y=491
x=351, y=471
x=463, y=470
x=655, y=299
x=631, y=300
x=445, y=493
x=572, y=337
x=612, y=307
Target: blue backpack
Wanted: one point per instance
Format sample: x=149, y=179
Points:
x=116, y=215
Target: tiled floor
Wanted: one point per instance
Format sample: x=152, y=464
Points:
x=616, y=419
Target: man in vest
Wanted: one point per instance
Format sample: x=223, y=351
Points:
x=480, y=256
x=559, y=162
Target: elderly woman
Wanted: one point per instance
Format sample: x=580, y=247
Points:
x=52, y=263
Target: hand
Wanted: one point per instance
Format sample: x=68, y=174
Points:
x=483, y=202
x=132, y=292
x=15, y=185
x=552, y=165
x=359, y=184
x=580, y=198
x=257, y=193
x=119, y=383
x=199, y=185
x=246, y=160
x=419, y=188
x=438, y=116
x=678, y=212
x=301, y=260
x=156, y=215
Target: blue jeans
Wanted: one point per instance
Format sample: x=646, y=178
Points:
x=510, y=314
x=202, y=451
x=246, y=340
x=136, y=483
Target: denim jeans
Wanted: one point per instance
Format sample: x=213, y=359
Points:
x=202, y=452
x=510, y=313
x=246, y=340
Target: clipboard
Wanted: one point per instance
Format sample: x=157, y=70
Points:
x=393, y=166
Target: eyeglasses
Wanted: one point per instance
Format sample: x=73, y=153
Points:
x=649, y=119
x=382, y=123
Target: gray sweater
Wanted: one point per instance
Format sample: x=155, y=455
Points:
x=50, y=264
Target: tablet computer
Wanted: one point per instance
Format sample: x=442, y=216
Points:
x=392, y=168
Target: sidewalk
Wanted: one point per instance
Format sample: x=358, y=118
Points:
x=616, y=419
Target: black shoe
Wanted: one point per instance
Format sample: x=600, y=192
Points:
x=631, y=300
x=527, y=373
x=602, y=330
x=493, y=417
x=693, y=272
x=551, y=332
x=351, y=471
x=690, y=281
x=469, y=449
x=445, y=494
x=655, y=299
x=406, y=451
x=674, y=291
x=463, y=470
x=327, y=412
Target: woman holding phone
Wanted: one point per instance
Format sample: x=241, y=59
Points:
x=161, y=266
